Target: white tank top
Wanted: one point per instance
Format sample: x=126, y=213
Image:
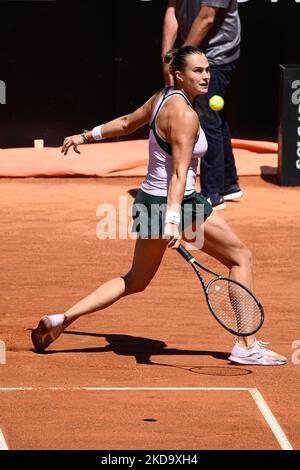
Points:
x=160, y=161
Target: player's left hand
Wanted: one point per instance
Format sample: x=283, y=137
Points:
x=72, y=141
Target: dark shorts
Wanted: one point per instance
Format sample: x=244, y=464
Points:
x=149, y=213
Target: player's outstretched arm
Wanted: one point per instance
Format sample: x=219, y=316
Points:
x=122, y=125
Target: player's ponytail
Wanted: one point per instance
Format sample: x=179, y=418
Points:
x=176, y=58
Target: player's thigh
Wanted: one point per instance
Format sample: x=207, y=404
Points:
x=148, y=254
x=222, y=243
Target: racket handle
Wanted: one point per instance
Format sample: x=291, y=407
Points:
x=184, y=253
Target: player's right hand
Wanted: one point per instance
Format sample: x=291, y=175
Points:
x=72, y=141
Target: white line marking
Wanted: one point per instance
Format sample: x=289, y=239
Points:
x=3, y=445
x=256, y=395
x=270, y=419
x=97, y=389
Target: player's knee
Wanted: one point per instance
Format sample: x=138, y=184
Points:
x=245, y=256
x=240, y=256
x=248, y=255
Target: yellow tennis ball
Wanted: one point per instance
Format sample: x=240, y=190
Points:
x=216, y=103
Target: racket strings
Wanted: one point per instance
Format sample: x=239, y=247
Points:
x=235, y=308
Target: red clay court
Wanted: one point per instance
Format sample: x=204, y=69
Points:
x=150, y=372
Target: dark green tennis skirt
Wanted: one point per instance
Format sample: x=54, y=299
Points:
x=149, y=213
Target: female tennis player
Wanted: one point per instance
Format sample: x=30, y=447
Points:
x=176, y=141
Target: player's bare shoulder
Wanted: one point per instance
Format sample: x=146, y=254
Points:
x=182, y=115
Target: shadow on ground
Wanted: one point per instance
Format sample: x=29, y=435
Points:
x=143, y=348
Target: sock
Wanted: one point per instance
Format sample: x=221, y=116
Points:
x=56, y=320
x=247, y=347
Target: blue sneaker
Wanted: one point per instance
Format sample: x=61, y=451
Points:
x=232, y=192
x=215, y=200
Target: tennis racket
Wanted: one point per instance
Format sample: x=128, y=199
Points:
x=233, y=305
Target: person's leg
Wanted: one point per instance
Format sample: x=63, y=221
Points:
x=231, y=177
x=221, y=243
x=231, y=189
x=212, y=163
x=218, y=170
x=230, y=173
x=147, y=258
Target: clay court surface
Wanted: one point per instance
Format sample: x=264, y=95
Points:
x=150, y=372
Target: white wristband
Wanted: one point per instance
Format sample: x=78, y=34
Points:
x=172, y=218
x=96, y=133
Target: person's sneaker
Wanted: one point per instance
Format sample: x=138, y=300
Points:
x=257, y=354
x=215, y=200
x=232, y=192
x=46, y=333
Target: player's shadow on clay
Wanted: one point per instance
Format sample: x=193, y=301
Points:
x=143, y=348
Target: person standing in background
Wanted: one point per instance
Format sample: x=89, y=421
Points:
x=214, y=26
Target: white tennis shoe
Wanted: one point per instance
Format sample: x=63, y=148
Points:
x=257, y=354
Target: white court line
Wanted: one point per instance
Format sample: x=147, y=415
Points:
x=97, y=389
x=255, y=394
x=270, y=419
x=3, y=445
